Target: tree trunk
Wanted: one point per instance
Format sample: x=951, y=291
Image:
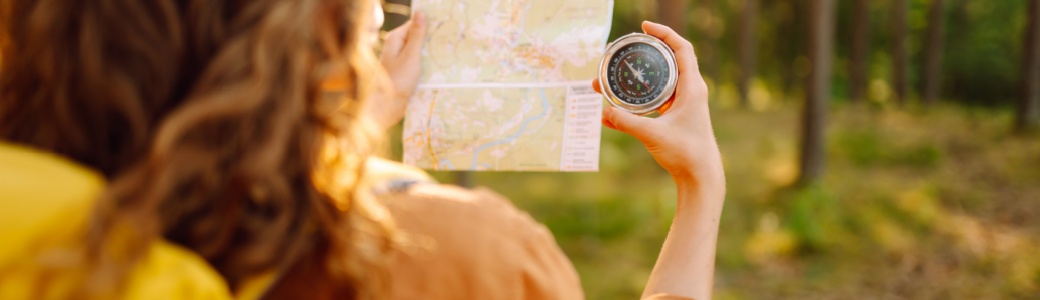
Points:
x=672, y=13
x=1029, y=105
x=708, y=49
x=859, y=66
x=899, y=33
x=821, y=31
x=793, y=28
x=934, y=51
x=748, y=49
x=464, y=179
x=396, y=12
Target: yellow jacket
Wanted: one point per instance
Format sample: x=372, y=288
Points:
x=45, y=201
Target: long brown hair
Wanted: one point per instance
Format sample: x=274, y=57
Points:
x=208, y=120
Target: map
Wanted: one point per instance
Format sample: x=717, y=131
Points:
x=506, y=86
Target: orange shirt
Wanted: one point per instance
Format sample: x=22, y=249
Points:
x=466, y=244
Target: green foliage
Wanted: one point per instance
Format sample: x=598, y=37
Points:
x=811, y=209
x=983, y=51
x=862, y=147
x=981, y=57
x=927, y=155
x=605, y=219
x=867, y=148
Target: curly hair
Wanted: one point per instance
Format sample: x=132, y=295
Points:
x=209, y=121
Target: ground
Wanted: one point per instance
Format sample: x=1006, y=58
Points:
x=917, y=203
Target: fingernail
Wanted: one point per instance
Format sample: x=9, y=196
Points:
x=420, y=17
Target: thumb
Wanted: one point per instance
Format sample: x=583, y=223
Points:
x=626, y=122
x=416, y=34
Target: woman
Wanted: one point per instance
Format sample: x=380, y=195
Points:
x=189, y=149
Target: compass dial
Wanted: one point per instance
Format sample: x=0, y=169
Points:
x=637, y=73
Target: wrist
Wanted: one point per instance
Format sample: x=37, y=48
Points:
x=705, y=188
x=703, y=175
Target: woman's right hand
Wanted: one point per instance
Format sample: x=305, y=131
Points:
x=683, y=142
x=681, y=139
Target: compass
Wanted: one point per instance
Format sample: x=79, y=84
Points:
x=638, y=73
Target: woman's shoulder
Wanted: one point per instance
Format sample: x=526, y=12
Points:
x=461, y=243
x=414, y=197
x=445, y=204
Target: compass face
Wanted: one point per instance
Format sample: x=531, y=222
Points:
x=637, y=73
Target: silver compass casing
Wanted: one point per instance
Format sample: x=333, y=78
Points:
x=669, y=88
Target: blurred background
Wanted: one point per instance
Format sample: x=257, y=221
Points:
x=881, y=149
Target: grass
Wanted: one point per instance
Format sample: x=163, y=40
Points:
x=936, y=203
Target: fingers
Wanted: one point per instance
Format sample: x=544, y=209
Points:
x=666, y=106
x=416, y=34
x=684, y=55
x=595, y=86
x=608, y=124
x=395, y=40
x=407, y=37
x=623, y=121
x=605, y=121
x=690, y=80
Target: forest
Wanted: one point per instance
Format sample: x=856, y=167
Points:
x=883, y=149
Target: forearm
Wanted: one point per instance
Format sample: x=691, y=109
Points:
x=686, y=264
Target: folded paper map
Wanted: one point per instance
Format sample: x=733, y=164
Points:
x=506, y=86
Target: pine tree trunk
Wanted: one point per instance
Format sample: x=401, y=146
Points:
x=464, y=179
x=707, y=44
x=899, y=59
x=793, y=29
x=821, y=31
x=748, y=49
x=672, y=13
x=934, y=51
x=1029, y=105
x=860, y=51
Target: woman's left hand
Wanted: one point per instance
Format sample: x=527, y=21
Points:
x=400, y=58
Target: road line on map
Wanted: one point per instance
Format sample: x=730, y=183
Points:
x=475, y=85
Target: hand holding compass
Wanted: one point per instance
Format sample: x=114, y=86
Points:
x=681, y=139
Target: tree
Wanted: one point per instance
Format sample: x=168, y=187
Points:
x=396, y=12
x=860, y=58
x=934, y=51
x=748, y=48
x=817, y=91
x=707, y=42
x=899, y=33
x=464, y=179
x=790, y=39
x=672, y=13
x=1029, y=104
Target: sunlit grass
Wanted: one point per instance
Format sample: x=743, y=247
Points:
x=917, y=203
